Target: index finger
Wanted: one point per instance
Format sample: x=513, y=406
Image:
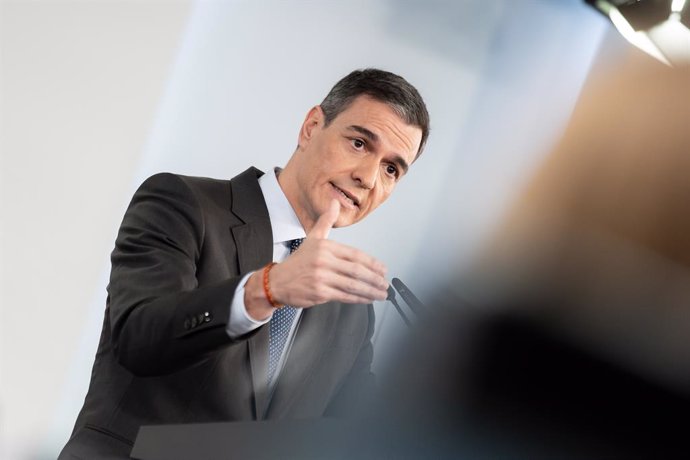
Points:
x=357, y=256
x=323, y=225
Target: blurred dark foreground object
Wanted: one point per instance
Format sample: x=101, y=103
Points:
x=577, y=344
x=510, y=385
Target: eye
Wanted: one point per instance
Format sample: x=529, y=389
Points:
x=392, y=171
x=358, y=143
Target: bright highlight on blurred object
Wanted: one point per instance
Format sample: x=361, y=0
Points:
x=660, y=28
x=677, y=6
x=639, y=39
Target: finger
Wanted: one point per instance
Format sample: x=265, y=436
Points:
x=352, y=287
x=336, y=295
x=349, y=298
x=344, y=253
x=359, y=272
x=323, y=225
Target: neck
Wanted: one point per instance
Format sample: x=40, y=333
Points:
x=287, y=179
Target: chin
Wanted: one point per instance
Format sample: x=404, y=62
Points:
x=345, y=222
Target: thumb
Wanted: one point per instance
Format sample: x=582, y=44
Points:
x=323, y=226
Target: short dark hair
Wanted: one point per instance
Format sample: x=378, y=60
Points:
x=382, y=86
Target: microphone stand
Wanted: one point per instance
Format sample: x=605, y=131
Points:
x=391, y=298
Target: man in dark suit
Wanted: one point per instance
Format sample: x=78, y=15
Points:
x=226, y=299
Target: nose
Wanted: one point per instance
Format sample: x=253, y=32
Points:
x=366, y=173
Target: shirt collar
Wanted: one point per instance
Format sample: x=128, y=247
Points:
x=284, y=222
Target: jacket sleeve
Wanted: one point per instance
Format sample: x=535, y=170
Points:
x=161, y=320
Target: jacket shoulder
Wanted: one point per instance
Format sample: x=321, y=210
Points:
x=201, y=184
x=209, y=193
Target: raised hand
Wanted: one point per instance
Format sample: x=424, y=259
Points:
x=321, y=271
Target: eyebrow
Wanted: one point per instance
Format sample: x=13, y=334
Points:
x=373, y=137
x=365, y=132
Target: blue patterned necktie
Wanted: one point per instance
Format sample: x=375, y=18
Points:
x=279, y=327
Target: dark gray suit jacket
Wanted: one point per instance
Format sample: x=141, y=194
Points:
x=164, y=355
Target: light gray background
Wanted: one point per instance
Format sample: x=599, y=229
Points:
x=97, y=95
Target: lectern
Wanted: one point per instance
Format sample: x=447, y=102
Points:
x=331, y=439
x=246, y=440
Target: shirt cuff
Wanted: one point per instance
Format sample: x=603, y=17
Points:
x=240, y=322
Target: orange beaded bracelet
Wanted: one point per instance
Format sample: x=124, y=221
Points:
x=267, y=291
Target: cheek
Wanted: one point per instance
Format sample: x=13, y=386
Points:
x=377, y=198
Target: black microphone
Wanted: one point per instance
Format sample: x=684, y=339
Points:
x=391, y=297
x=415, y=305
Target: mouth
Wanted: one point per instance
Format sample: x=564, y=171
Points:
x=346, y=195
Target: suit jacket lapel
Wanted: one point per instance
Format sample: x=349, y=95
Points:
x=254, y=244
x=316, y=331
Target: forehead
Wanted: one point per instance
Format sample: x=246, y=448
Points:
x=382, y=120
x=365, y=107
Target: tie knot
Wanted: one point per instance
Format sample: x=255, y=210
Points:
x=294, y=244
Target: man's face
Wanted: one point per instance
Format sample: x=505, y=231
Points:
x=357, y=160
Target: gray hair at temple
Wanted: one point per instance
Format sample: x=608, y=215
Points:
x=382, y=86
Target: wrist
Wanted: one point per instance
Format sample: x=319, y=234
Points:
x=267, y=286
x=257, y=305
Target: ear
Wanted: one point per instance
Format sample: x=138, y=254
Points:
x=313, y=121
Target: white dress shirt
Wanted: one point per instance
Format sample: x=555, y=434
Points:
x=285, y=227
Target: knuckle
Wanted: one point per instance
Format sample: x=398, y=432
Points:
x=319, y=262
x=359, y=255
x=320, y=292
x=319, y=279
x=352, y=286
x=372, y=262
